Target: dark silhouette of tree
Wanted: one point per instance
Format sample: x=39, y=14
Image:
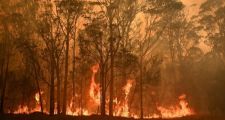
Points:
x=69, y=12
x=15, y=38
x=158, y=15
x=212, y=22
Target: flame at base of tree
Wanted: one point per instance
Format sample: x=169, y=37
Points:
x=121, y=107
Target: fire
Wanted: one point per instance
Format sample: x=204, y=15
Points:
x=123, y=109
x=24, y=109
x=94, y=91
x=37, y=97
x=121, y=106
x=180, y=110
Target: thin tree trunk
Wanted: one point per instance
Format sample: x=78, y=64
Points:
x=102, y=86
x=39, y=90
x=52, y=106
x=74, y=63
x=111, y=88
x=4, y=85
x=66, y=73
x=81, y=98
x=112, y=67
x=58, y=88
x=141, y=87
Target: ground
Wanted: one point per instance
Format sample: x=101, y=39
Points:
x=40, y=116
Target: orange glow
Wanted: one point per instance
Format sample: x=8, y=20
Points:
x=180, y=110
x=121, y=106
x=94, y=91
x=122, y=109
x=24, y=109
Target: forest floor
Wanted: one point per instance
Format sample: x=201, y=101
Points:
x=40, y=116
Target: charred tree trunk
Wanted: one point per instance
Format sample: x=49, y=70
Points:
x=38, y=87
x=141, y=87
x=52, y=92
x=58, y=87
x=5, y=77
x=112, y=65
x=102, y=86
x=111, y=87
x=81, y=98
x=2, y=85
x=74, y=63
x=66, y=71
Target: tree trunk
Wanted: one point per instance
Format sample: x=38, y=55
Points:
x=39, y=90
x=102, y=86
x=2, y=87
x=111, y=95
x=81, y=98
x=74, y=63
x=66, y=73
x=111, y=88
x=52, y=92
x=141, y=88
x=5, y=77
x=58, y=88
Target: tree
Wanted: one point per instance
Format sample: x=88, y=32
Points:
x=95, y=44
x=69, y=12
x=50, y=33
x=212, y=21
x=10, y=38
x=157, y=16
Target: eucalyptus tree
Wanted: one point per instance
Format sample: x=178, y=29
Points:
x=16, y=17
x=212, y=20
x=68, y=12
x=93, y=43
x=118, y=26
x=158, y=14
x=50, y=34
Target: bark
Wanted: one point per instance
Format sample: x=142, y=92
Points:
x=58, y=88
x=141, y=88
x=81, y=98
x=112, y=65
x=66, y=72
x=52, y=92
x=39, y=90
x=74, y=63
x=111, y=87
x=4, y=87
x=102, y=86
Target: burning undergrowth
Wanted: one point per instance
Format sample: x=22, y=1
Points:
x=126, y=102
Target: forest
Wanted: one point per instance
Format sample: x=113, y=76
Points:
x=125, y=59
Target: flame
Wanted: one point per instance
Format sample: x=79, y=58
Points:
x=121, y=106
x=180, y=110
x=24, y=109
x=94, y=91
x=123, y=109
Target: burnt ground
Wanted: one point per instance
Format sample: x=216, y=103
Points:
x=40, y=116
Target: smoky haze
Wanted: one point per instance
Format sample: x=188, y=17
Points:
x=142, y=59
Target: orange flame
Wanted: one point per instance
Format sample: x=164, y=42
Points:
x=94, y=91
x=121, y=106
x=24, y=109
x=123, y=109
x=180, y=110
